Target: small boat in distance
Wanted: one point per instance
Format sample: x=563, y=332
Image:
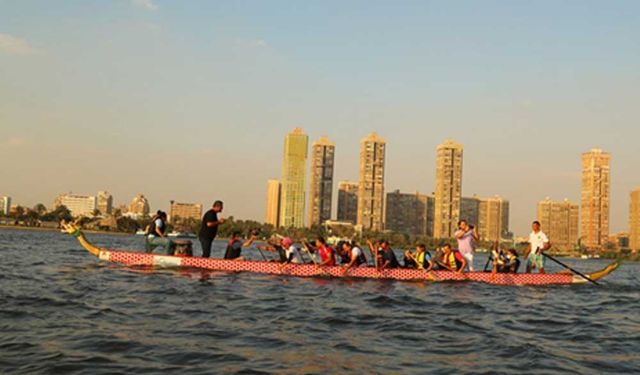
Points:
x=312, y=270
x=181, y=234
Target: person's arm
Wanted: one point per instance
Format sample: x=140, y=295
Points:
x=459, y=234
x=529, y=249
x=547, y=243
x=214, y=223
x=476, y=236
x=158, y=232
x=248, y=242
x=352, y=262
x=430, y=268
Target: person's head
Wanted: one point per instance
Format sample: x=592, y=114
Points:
x=447, y=248
x=421, y=248
x=462, y=224
x=384, y=244
x=513, y=252
x=347, y=246
x=217, y=206
x=236, y=235
x=536, y=226
x=320, y=241
x=287, y=242
x=162, y=215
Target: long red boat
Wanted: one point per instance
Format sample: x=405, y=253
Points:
x=311, y=270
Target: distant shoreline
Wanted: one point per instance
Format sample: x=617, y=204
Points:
x=41, y=229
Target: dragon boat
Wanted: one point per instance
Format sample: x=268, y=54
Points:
x=311, y=270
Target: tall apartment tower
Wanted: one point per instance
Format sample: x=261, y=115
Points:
x=634, y=220
x=409, y=213
x=348, y=201
x=371, y=185
x=448, y=189
x=292, y=197
x=273, y=203
x=5, y=205
x=493, y=219
x=321, y=189
x=594, y=216
x=104, y=202
x=559, y=221
x=470, y=209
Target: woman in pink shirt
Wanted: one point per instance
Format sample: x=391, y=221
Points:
x=467, y=236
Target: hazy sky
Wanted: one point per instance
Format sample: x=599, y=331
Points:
x=191, y=100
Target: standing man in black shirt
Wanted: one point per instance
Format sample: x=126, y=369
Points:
x=209, y=228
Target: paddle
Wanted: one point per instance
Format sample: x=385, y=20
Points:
x=488, y=261
x=570, y=269
x=261, y=253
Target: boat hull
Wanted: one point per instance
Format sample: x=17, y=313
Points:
x=311, y=270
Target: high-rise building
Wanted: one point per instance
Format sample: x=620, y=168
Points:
x=292, y=195
x=139, y=206
x=470, y=209
x=348, y=202
x=104, y=202
x=448, y=189
x=594, y=215
x=634, y=220
x=409, y=213
x=371, y=185
x=493, y=219
x=78, y=205
x=180, y=212
x=5, y=205
x=273, y=203
x=321, y=190
x=559, y=221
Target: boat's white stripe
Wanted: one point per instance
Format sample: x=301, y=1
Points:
x=166, y=261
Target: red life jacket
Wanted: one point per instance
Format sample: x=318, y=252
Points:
x=327, y=253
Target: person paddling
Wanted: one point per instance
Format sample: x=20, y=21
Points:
x=421, y=259
x=452, y=260
x=235, y=245
x=356, y=255
x=209, y=228
x=387, y=256
x=538, y=242
x=292, y=252
x=321, y=248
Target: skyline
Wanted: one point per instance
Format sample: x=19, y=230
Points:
x=189, y=101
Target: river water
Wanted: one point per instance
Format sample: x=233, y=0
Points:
x=63, y=311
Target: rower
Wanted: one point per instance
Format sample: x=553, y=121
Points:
x=452, y=260
x=421, y=259
x=387, y=256
x=327, y=257
x=275, y=244
x=291, y=251
x=356, y=255
x=235, y=245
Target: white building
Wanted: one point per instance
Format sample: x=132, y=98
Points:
x=5, y=205
x=78, y=204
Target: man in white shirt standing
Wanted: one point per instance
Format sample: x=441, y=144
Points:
x=467, y=237
x=538, y=242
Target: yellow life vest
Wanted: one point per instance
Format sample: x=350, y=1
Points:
x=452, y=261
x=420, y=261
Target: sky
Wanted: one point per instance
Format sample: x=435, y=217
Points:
x=191, y=100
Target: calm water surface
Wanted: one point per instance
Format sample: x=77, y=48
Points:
x=63, y=311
